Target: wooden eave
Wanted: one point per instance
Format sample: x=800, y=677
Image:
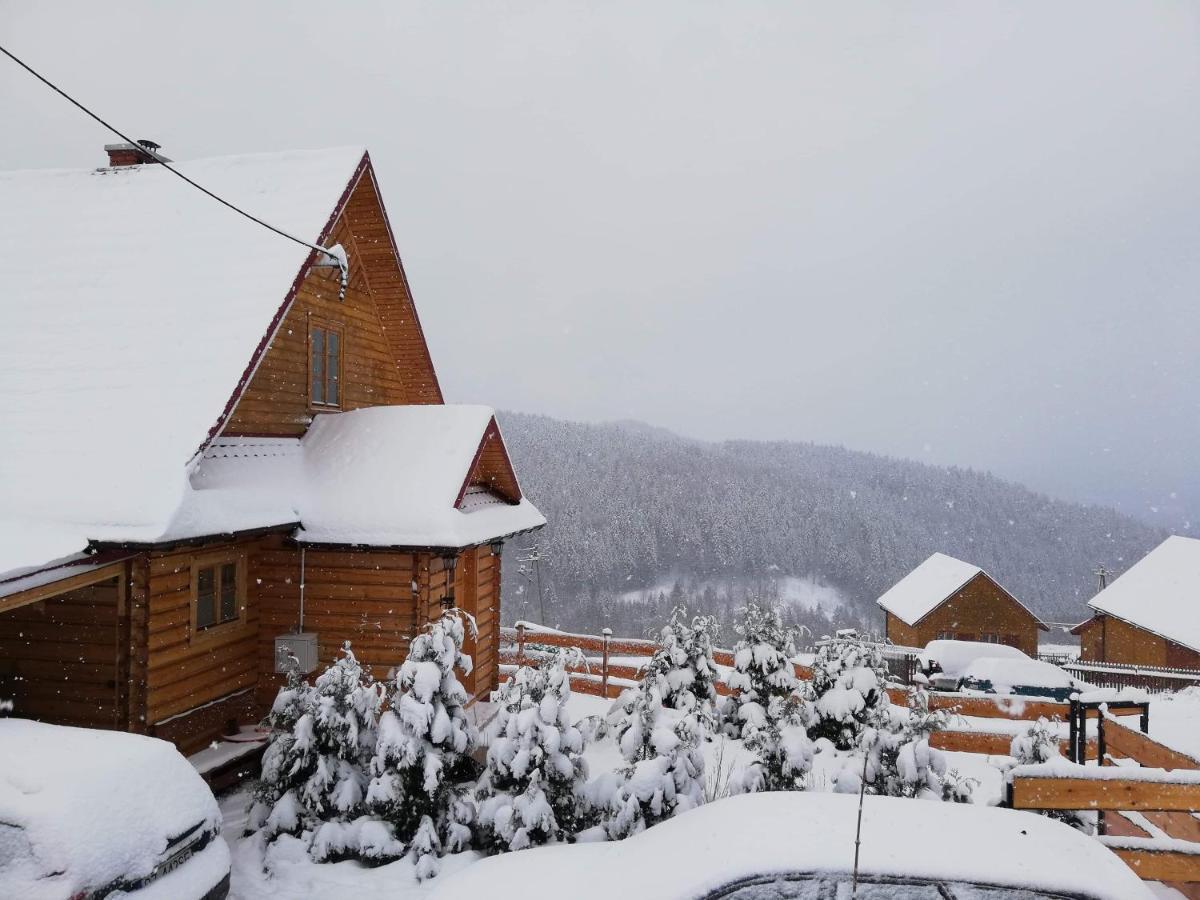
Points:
x=510, y=492
x=92, y=572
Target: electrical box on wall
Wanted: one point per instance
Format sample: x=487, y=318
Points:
x=303, y=646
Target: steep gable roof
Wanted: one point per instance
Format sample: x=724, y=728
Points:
x=931, y=584
x=134, y=308
x=1160, y=592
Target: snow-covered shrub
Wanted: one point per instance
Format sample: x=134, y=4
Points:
x=320, y=772
x=683, y=666
x=279, y=775
x=783, y=753
x=848, y=690
x=665, y=768
x=422, y=759
x=1039, y=744
x=762, y=669
x=531, y=791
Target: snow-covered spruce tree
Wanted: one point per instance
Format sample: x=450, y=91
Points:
x=783, y=753
x=849, y=694
x=280, y=773
x=323, y=767
x=762, y=669
x=683, y=666
x=531, y=791
x=422, y=761
x=904, y=764
x=664, y=771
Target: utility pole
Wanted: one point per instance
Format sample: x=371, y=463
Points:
x=535, y=555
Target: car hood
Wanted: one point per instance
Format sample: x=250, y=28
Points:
x=82, y=808
x=702, y=850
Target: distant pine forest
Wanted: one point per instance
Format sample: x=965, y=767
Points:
x=642, y=520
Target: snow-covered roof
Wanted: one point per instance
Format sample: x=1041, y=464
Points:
x=786, y=833
x=132, y=306
x=1160, y=593
x=930, y=585
x=384, y=476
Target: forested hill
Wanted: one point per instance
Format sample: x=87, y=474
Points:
x=631, y=507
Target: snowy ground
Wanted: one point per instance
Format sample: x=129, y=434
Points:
x=1175, y=720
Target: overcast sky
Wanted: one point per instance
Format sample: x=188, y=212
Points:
x=964, y=233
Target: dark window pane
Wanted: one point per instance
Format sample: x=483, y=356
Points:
x=318, y=365
x=334, y=368
x=205, y=594
x=229, y=608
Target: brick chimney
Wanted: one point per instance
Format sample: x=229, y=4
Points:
x=143, y=151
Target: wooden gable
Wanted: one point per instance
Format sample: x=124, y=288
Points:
x=384, y=358
x=492, y=468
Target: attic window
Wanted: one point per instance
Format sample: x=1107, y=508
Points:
x=324, y=365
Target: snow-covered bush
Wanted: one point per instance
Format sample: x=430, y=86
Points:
x=422, y=754
x=319, y=773
x=683, y=667
x=279, y=775
x=848, y=691
x=1036, y=745
x=762, y=669
x=783, y=753
x=664, y=772
x=531, y=791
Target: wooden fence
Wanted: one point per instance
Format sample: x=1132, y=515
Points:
x=1119, y=675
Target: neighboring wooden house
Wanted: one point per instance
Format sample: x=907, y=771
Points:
x=1150, y=616
x=946, y=598
x=207, y=446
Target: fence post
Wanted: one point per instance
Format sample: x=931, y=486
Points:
x=1073, y=733
x=520, y=643
x=1100, y=748
x=607, y=633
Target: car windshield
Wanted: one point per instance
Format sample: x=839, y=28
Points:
x=840, y=887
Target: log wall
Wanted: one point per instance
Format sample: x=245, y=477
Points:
x=59, y=657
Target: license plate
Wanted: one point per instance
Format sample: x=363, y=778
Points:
x=174, y=862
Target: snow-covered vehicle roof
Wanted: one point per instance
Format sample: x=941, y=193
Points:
x=782, y=833
x=1159, y=592
x=1025, y=677
x=930, y=585
x=82, y=810
x=955, y=656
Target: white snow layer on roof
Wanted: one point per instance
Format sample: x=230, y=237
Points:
x=381, y=476
x=132, y=304
x=916, y=594
x=786, y=833
x=66, y=789
x=1160, y=593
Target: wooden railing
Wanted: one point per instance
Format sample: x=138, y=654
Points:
x=1157, y=679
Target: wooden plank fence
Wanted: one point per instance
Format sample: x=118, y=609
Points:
x=1121, y=675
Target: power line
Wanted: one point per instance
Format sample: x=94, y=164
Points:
x=156, y=158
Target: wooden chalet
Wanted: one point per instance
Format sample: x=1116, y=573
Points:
x=214, y=450
x=947, y=599
x=1150, y=616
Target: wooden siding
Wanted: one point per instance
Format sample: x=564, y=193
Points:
x=59, y=657
x=493, y=469
x=980, y=607
x=1105, y=639
x=187, y=669
x=384, y=358
x=477, y=595
x=365, y=597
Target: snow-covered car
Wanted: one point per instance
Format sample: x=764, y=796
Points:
x=1021, y=677
x=797, y=846
x=945, y=662
x=86, y=814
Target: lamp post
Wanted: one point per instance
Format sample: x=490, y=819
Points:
x=450, y=562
